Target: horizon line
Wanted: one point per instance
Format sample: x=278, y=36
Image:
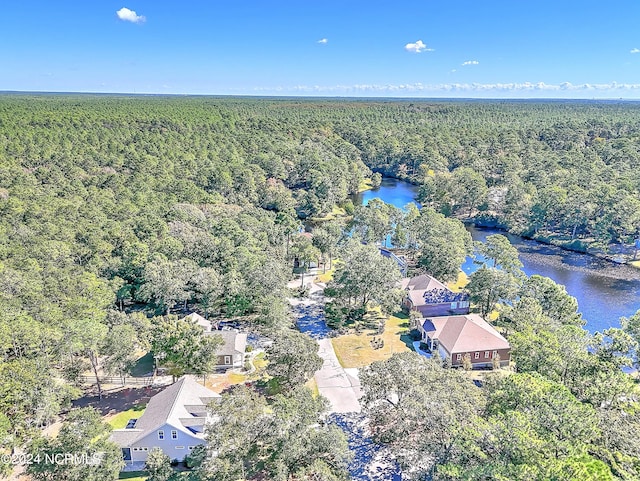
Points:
x=293, y=96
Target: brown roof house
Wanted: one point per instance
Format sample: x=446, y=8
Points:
x=455, y=336
x=173, y=421
x=430, y=297
x=231, y=353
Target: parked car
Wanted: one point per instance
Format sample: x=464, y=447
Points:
x=226, y=325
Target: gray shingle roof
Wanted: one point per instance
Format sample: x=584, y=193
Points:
x=169, y=406
x=234, y=342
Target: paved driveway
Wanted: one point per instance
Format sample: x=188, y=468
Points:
x=340, y=387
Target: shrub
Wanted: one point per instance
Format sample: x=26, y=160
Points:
x=196, y=457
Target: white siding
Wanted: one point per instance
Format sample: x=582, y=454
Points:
x=443, y=352
x=167, y=445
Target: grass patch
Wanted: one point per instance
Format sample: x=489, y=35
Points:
x=134, y=475
x=338, y=211
x=313, y=385
x=483, y=374
x=365, y=184
x=335, y=213
x=460, y=283
x=218, y=382
x=143, y=366
x=355, y=350
x=328, y=276
x=260, y=362
x=120, y=420
x=236, y=378
x=322, y=218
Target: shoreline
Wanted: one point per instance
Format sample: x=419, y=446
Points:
x=616, y=259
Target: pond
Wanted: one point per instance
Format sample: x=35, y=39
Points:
x=391, y=191
x=605, y=291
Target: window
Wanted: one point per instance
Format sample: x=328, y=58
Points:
x=486, y=354
x=161, y=435
x=227, y=359
x=135, y=449
x=191, y=447
x=144, y=449
x=174, y=434
x=477, y=355
x=454, y=305
x=495, y=353
x=179, y=447
x=458, y=357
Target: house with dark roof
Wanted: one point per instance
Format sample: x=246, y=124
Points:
x=173, y=421
x=430, y=297
x=456, y=336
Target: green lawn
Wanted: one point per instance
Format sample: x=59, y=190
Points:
x=120, y=420
x=143, y=366
x=134, y=476
x=365, y=184
x=356, y=350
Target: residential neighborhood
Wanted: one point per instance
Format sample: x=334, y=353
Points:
x=175, y=419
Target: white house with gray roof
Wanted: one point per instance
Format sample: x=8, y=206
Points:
x=231, y=353
x=173, y=421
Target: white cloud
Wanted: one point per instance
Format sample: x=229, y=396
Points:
x=323, y=41
x=417, y=47
x=634, y=50
x=130, y=16
x=522, y=89
x=470, y=62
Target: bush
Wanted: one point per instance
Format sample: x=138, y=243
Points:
x=196, y=457
x=376, y=180
x=348, y=207
x=466, y=362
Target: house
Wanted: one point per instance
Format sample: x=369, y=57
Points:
x=231, y=354
x=173, y=421
x=199, y=320
x=430, y=297
x=455, y=336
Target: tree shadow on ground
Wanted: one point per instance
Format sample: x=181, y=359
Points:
x=116, y=400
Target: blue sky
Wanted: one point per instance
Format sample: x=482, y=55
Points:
x=479, y=48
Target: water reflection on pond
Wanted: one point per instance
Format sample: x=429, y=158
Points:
x=605, y=291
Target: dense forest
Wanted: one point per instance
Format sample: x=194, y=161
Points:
x=117, y=209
